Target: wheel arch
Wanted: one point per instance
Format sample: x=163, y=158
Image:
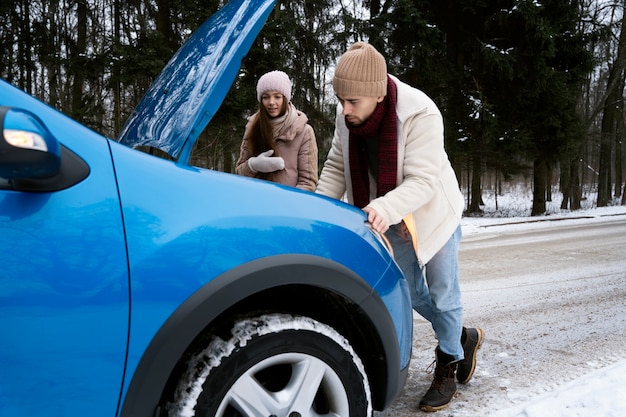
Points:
x=302, y=284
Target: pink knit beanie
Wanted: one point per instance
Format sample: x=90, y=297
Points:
x=274, y=80
x=361, y=71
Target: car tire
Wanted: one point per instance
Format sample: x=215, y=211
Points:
x=275, y=365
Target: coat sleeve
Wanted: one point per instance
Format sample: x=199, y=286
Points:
x=242, y=167
x=332, y=182
x=307, y=161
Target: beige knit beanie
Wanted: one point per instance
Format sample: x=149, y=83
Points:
x=361, y=71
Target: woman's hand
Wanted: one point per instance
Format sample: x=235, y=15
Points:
x=265, y=162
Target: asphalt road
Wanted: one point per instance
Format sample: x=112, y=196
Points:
x=552, y=303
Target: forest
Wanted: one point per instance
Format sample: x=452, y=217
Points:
x=530, y=90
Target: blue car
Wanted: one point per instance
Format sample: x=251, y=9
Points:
x=133, y=285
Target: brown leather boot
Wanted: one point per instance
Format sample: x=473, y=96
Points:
x=443, y=387
x=471, y=339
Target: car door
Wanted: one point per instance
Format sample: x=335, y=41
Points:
x=64, y=302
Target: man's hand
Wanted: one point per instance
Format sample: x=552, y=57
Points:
x=376, y=220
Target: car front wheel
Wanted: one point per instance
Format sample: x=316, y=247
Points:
x=275, y=365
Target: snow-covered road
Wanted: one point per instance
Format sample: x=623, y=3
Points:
x=551, y=297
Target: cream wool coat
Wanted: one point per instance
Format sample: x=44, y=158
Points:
x=427, y=190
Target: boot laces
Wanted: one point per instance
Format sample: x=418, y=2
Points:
x=444, y=374
x=430, y=368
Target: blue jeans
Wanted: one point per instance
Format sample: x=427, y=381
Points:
x=437, y=298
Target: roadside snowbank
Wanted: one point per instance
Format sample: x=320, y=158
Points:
x=598, y=394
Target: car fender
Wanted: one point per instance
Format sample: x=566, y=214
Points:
x=215, y=297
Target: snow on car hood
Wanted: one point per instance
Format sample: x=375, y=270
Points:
x=193, y=84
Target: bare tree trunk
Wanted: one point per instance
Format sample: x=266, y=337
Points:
x=469, y=188
x=564, y=182
x=615, y=87
x=51, y=63
x=476, y=194
x=117, y=95
x=78, y=59
x=549, y=174
x=607, y=138
x=539, y=187
x=497, y=187
x=164, y=25
x=24, y=46
x=618, y=165
x=619, y=136
x=573, y=186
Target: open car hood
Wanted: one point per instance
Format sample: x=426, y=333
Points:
x=193, y=84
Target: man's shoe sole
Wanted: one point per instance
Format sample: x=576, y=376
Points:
x=481, y=336
x=433, y=408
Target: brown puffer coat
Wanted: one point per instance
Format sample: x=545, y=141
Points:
x=296, y=144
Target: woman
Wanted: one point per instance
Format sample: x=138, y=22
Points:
x=278, y=144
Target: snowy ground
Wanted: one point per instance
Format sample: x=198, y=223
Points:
x=598, y=394
x=601, y=392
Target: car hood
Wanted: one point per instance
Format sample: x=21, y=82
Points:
x=193, y=84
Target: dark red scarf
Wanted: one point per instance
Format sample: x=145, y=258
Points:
x=382, y=124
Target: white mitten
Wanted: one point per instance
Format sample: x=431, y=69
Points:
x=266, y=163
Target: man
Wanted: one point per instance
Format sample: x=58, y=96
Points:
x=388, y=158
